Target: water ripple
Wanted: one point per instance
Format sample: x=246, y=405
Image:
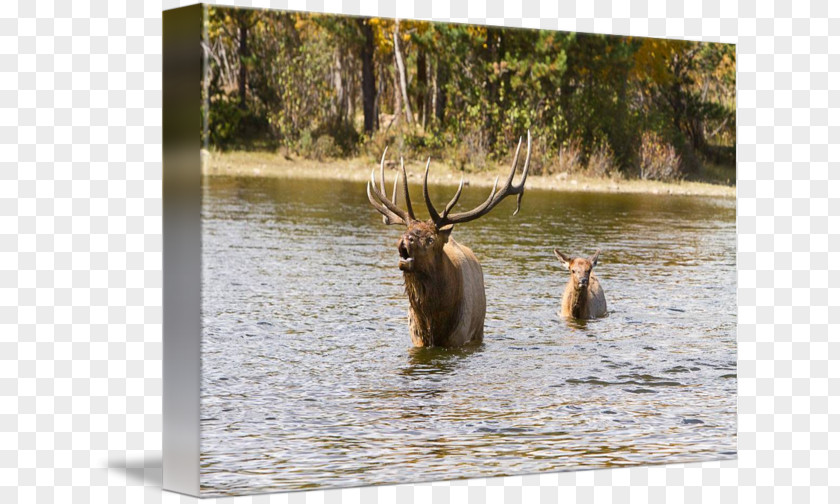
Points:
x=309, y=379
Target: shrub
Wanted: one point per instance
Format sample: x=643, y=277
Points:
x=304, y=143
x=541, y=158
x=324, y=147
x=471, y=153
x=658, y=160
x=346, y=138
x=317, y=147
x=601, y=162
x=224, y=116
x=570, y=156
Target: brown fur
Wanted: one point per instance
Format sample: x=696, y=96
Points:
x=583, y=297
x=443, y=279
x=445, y=288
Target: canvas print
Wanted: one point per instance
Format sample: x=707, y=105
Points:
x=436, y=251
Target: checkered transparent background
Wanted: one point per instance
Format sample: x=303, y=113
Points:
x=80, y=252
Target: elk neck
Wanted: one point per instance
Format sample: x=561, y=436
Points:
x=435, y=299
x=577, y=299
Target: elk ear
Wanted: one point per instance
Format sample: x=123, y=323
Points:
x=445, y=231
x=594, y=258
x=563, y=259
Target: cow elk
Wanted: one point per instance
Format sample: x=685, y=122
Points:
x=583, y=297
x=443, y=279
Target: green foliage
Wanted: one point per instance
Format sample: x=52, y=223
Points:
x=224, y=122
x=232, y=127
x=303, y=92
x=473, y=91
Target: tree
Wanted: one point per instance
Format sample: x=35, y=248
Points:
x=245, y=20
x=465, y=92
x=368, y=80
x=409, y=117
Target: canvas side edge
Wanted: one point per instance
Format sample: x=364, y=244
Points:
x=182, y=73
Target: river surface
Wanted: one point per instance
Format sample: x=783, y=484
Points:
x=310, y=380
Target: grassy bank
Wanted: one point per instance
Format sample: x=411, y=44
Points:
x=266, y=164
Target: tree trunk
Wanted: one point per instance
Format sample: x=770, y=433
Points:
x=339, y=106
x=401, y=73
x=494, y=41
x=395, y=95
x=441, y=77
x=244, y=54
x=368, y=80
x=433, y=94
x=422, y=85
x=381, y=89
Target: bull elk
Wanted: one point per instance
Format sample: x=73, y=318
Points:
x=443, y=279
x=583, y=297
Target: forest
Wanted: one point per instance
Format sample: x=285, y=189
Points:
x=333, y=87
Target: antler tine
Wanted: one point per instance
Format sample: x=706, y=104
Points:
x=393, y=197
x=521, y=187
x=388, y=217
x=454, y=199
x=513, y=164
x=394, y=192
x=388, y=208
x=405, y=191
x=432, y=212
x=382, y=172
x=508, y=189
x=480, y=208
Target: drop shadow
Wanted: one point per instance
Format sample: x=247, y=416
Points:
x=144, y=470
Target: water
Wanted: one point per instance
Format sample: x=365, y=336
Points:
x=310, y=379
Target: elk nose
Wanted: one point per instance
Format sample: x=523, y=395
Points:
x=403, y=249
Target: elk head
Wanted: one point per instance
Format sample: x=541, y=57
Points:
x=580, y=268
x=421, y=244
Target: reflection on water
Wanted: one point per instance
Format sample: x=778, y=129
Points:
x=309, y=377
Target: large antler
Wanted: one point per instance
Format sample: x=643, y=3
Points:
x=391, y=213
x=508, y=189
